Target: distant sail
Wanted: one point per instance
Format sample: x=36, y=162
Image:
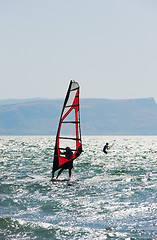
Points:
x=69, y=131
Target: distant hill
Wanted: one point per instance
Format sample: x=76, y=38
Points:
x=98, y=116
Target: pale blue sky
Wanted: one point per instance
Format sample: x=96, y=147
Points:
x=108, y=46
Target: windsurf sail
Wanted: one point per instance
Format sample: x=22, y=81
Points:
x=69, y=131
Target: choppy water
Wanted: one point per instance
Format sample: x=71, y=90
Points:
x=114, y=197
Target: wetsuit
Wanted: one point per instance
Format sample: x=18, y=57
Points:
x=68, y=154
x=105, y=148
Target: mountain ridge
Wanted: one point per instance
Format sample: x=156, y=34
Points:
x=98, y=116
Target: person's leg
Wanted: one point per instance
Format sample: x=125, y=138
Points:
x=59, y=172
x=69, y=173
x=52, y=176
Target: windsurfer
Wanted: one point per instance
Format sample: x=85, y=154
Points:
x=106, y=147
x=71, y=113
x=68, y=165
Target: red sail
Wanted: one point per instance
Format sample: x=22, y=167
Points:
x=69, y=132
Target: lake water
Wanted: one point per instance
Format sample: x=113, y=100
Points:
x=114, y=196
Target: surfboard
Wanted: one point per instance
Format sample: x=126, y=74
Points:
x=64, y=182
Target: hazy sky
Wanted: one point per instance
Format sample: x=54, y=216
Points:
x=108, y=46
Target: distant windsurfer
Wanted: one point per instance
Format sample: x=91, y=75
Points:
x=68, y=165
x=106, y=147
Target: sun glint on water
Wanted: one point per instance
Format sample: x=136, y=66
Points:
x=114, y=195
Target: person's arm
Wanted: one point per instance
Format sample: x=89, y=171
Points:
x=63, y=152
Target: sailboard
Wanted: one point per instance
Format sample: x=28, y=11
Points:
x=69, y=130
